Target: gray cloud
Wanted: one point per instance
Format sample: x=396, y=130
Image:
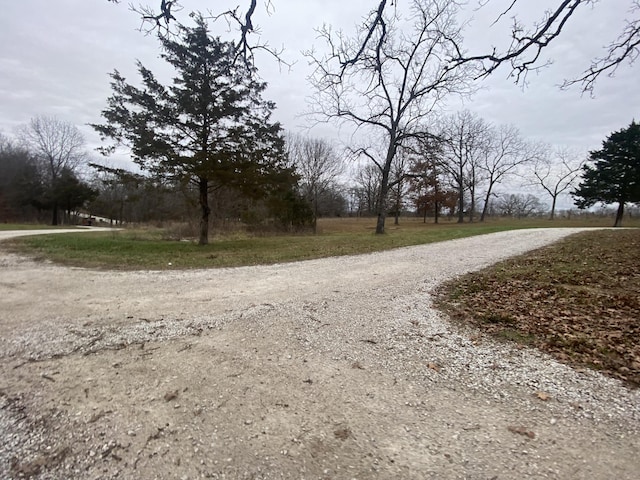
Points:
x=55, y=56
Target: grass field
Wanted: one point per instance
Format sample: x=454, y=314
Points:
x=152, y=248
x=26, y=226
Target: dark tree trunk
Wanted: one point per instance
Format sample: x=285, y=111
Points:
x=315, y=215
x=461, y=205
x=436, y=211
x=485, y=208
x=619, y=215
x=382, y=202
x=380, y=222
x=54, y=218
x=553, y=207
x=203, y=185
x=382, y=209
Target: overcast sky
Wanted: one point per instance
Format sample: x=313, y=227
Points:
x=55, y=57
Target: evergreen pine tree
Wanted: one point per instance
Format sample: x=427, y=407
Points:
x=210, y=126
x=614, y=175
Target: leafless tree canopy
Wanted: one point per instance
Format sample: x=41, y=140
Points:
x=465, y=140
x=388, y=89
x=162, y=19
x=58, y=148
x=528, y=42
x=523, y=55
x=556, y=172
x=319, y=166
x=55, y=143
x=519, y=205
x=506, y=152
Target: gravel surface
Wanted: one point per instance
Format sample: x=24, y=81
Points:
x=331, y=368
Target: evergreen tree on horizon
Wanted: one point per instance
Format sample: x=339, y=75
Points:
x=614, y=175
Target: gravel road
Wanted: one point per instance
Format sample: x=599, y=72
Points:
x=326, y=369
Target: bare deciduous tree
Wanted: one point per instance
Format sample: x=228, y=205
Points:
x=528, y=42
x=399, y=171
x=520, y=205
x=387, y=80
x=464, y=140
x=506, y=151
x=524, y=53
x=57, y=145
x=160, y=20
x=556, y=172
x=366, y=191
x=319, y=167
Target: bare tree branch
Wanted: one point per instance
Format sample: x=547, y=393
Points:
x=557, y=175
x=524, y=53
x=522, y=56
x=625, y=47
x=162, y=21
x=388, y=78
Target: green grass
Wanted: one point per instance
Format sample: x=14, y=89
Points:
x=146, y=249
x=149, y=248
x=28, y=226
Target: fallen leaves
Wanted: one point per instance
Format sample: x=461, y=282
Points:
x=577, y=300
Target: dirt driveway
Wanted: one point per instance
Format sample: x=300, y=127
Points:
x=327, y=369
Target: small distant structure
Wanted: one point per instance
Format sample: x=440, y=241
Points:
x=88, y=220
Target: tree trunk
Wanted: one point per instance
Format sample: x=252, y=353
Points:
x=619, y=215
x=380, y=223
x=436, y=211
x=382, y=211
x=553, y=207
x=315, y=210
x=382, y=202
x=396, y=219
x=203, y=185
x=485, y=208
x=461, y=205
x=54, y=218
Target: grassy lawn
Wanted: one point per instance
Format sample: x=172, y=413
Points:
x=27, y=226
x=149, y=248
x=578, y=300
x=134, y=249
